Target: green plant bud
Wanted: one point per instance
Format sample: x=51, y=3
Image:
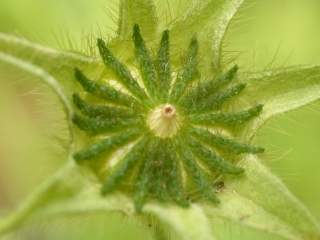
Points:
x=173, y=155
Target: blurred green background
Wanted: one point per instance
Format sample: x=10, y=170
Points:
x=273, y=33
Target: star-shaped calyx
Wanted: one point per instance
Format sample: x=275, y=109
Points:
x=167, y=122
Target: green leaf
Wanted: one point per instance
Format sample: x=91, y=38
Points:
x=280, y=91
x=68, y=193
x=261, y=201
x=187, y=224
x=131, y=12
x=141, y=12
x=58, y=64
x=41, y=74
x=53, y=67
x=64, y=184
x=178, y=221
x=209, y=21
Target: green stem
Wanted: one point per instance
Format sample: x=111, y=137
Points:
x=26, y=210
x=47, y=78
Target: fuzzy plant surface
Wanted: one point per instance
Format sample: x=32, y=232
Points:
x=161, y=127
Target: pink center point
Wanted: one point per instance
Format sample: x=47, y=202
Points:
x=164, y=121
x=169, y=111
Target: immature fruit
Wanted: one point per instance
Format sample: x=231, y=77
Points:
x=169, y=121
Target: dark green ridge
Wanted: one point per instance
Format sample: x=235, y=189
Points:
x=142, y=186
x=124, y=166
x=104, y=111
x=166, y=183
x=198, y=175
x=103, y=91
x=98, y=125
x=227, y=119
x=160, y=169
x=212, y=160
x=147, y=68
x=164, y=66
x=215, y=101
x=188, y=72
x=107, y=145
x=207, y=88
x=122, y=72
x=174, y=182
x=224, y=143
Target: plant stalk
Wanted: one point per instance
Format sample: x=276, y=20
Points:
x=35, y=200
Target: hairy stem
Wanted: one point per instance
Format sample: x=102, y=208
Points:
x=30, y=205
x=46, y=78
